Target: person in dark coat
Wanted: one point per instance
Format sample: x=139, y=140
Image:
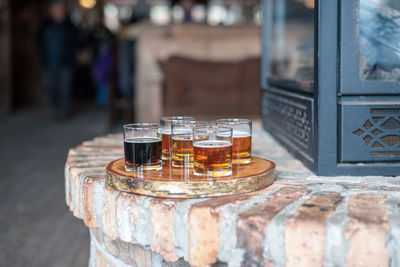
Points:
x=102, y=42
x=57, y=44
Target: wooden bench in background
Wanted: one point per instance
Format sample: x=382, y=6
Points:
x=217, y=88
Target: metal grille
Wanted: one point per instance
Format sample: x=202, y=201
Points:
x=381, y=133
x=291, y=117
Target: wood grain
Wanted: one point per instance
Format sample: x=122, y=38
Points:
x=182, y=183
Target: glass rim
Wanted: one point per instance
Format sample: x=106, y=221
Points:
x=233, y=121
x=221, y=128
x=176, y=118
x=140, y=125
x=189, y=122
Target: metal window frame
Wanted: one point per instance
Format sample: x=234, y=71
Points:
x=351, y=82
x=331, y=61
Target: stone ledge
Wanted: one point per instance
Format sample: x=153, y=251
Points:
x=302, y=220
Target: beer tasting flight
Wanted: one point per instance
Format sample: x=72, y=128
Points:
x=209, y=149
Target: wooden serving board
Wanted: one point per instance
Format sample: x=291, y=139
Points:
x=171, y=182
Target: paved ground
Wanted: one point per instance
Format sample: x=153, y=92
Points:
x=36, y=227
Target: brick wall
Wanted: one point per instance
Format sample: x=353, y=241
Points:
x=301, y=220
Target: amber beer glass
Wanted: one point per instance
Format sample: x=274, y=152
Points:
x=166, y=123
x=212, y=151
x=241, y=143
x=182, y=142
x=142, y=146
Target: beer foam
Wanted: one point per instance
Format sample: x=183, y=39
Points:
x=212, y=143
x=166, y=132
x=239, y=134
x=143, y=140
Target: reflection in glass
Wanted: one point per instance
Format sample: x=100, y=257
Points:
x=178, y=14
x=380, y=40
x=198, y=13
x=111, y=17
x=292, y=44
x=216, y=13
x=160, y=13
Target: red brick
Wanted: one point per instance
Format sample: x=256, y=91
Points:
x=77, y=176
x=367, y=208
x=203, y=236
x=126, y=212
x=97, y=234
x=251, y=224
x=142, y=257
x=108, y=214
x=101, y=260
x=118, y=249
x=115, y=149
x=305, y=233
x=97, y=250
x=76, y=163
x=88, y=200
x=105, y=142
x=163, y=224
x=366, y=231
x=204, y=221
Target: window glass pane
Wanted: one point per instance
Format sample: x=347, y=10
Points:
x=380, y=40
x=292, y=44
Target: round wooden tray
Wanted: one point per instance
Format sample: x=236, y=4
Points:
x=182, y=183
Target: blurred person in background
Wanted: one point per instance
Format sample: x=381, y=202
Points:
x=187, y=8
x=57, y=44
x=103, y=61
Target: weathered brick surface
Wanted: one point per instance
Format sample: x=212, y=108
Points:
x=126, y=215
x=119, y=249
x=77, y=168
x=115, y=252
x=99, y=257
x=101, y=260
x=76, y=180
x=92, y=195
x=203, y=236
x=305, y=232
x=291, y=223
x=162, y=219
x=204, y=226
x=108, y=213
x=366, y=231
x=251, y=224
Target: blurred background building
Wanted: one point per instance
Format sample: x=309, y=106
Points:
x=138, y=59
x=74, y=69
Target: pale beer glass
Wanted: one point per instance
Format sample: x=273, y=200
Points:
x=242, y=139
x=166, y=123
x=182, y=142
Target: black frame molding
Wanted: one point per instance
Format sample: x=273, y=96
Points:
x=336, y=79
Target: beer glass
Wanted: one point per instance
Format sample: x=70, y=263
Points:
x=241, y=143
x=212, y=151
x=182, y=142
x=166, y=123
x=142, y=146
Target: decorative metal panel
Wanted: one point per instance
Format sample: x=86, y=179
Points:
x=291, y=117
x=370, y=133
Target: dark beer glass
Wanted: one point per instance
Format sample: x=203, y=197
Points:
x=166, y=123
x=142, y=145
x=241, y=142
x=212, y=148
x=182, y=142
